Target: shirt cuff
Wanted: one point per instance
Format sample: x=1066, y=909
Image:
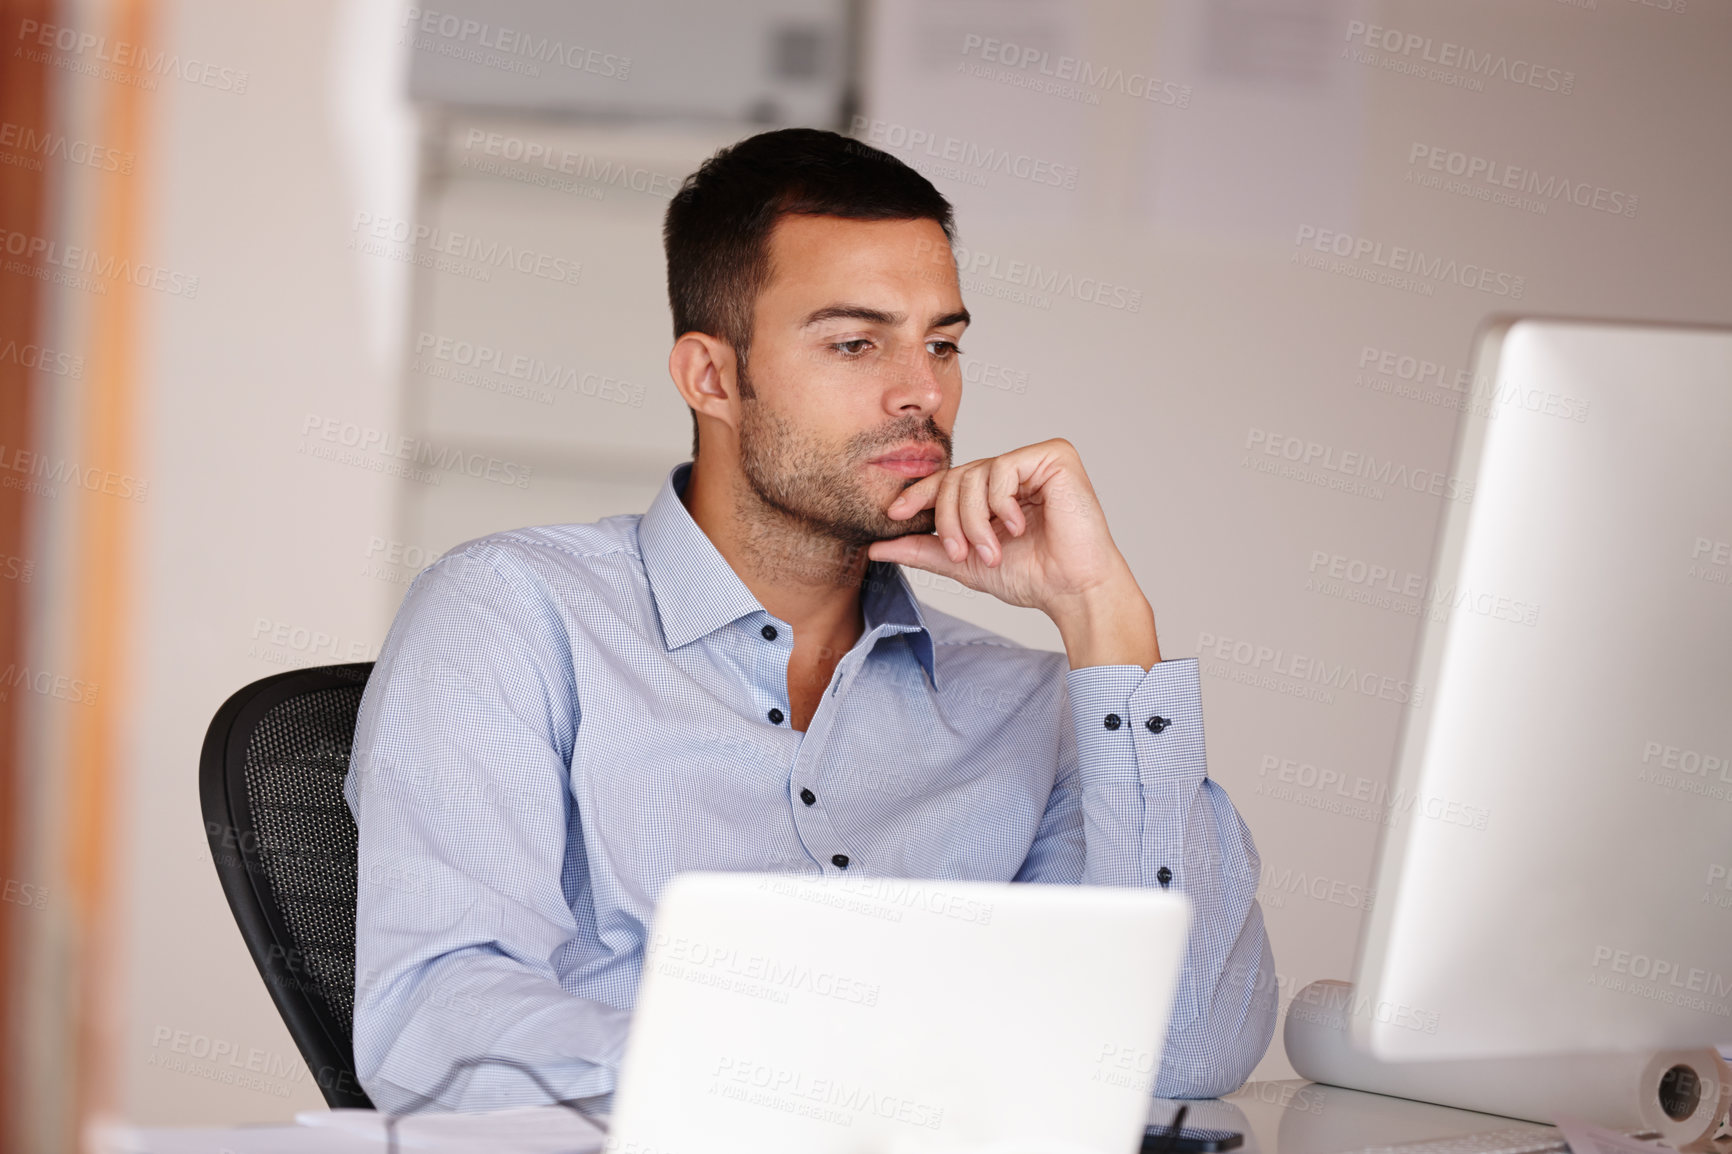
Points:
x=1133, y=724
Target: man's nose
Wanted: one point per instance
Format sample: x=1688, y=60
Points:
x=914, y=383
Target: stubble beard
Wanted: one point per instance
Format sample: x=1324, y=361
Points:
x=807, y=512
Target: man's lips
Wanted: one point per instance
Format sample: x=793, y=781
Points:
x=912, y=461
x=910, y=466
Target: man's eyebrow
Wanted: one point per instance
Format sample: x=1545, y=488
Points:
x=875, y=316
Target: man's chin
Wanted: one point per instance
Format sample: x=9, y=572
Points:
x=925, y=521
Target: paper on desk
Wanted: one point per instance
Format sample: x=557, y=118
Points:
x=530, y=1130
x=126, y=1139
x=1587, y=1138
x=525, y=1130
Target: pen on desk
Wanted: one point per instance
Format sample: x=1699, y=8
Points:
x=1172, y=1132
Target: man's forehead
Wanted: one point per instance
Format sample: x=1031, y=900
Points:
x=842, y=259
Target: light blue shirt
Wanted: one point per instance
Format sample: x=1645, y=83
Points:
x=562, y=718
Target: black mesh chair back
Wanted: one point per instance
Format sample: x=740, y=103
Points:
x=282, y=837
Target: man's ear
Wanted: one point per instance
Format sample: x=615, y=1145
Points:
x=702, y=368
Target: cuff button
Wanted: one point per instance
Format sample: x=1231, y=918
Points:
x=1112, y=721
x=1157, y=723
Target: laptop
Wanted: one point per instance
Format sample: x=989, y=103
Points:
x=855, y=1015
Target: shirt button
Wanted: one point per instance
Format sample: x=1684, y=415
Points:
x=808, y=796
x=1163, y=875
x=1157, y=723
x=840, y=861
x=775, y=716
x=1112, y=721
x=769, y=632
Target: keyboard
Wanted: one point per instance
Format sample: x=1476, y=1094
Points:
x=1513, y=1140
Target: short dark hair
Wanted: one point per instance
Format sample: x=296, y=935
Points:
x=717, y=230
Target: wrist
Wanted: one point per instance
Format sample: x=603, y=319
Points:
x=1111, y=624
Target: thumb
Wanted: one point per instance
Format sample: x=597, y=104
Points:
x=919, y=550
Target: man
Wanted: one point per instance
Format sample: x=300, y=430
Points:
x=564, y=717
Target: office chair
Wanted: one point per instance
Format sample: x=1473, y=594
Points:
x=271, y=787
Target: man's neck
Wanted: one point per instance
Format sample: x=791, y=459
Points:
x=802, y=577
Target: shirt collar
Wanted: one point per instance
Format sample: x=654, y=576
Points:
x=696, y=591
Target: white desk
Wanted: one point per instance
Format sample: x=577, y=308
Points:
x=1299, y=1117
x=1289, y=1117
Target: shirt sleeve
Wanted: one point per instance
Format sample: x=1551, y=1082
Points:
x=459, y=783
x=1132, y=805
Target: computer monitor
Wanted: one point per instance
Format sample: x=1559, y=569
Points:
x=1556, y=874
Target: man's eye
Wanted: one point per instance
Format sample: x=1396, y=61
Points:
x=944, y=350
x=843, y=346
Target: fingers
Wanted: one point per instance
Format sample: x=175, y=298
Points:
x=945, y=518
x=916, y=497
x=937, y=491
x=1003, y=482
x=964, y=500
x=974, y=516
